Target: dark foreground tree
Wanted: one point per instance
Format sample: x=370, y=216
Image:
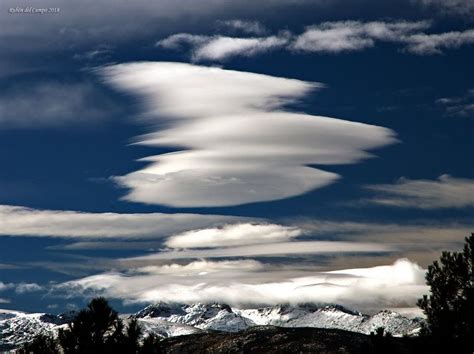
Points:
x=87, y=333
x=95, y=329
x=449, y=308
x=41, y=344
x=151, y=345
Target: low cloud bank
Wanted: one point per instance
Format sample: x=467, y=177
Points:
x=251, y=282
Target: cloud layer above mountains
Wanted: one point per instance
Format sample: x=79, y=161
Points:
x=238, y=260
x=238, y=143
x=252, y=282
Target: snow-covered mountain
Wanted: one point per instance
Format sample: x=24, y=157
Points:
x=17, y=327
x=225, y=318
x=169, y=320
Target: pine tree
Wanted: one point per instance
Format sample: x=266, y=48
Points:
x=41, y=344
x=95, y=329
x=151, y=345
x=449, y=309
x=98, y=329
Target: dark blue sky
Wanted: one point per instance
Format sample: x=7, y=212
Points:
x=56, y=158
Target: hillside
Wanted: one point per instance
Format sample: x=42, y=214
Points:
x=277, y=340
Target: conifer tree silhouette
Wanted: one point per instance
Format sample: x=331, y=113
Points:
x=449, y=309
x=98, y=329
x=41, y=344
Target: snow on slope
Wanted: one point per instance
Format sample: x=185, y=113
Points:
x=17, y=327
x=165, y=328
x=332, y=317
x=206, y=317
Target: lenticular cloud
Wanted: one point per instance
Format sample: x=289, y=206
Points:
x=237, y=143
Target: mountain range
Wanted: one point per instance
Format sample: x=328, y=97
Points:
x=170, y=320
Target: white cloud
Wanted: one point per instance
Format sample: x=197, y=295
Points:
x=53, y=104
x=340, y=36
x=335, y=37
x=177, y=40
x=221, y=47
x=198, y=267
x=19, y=221
x=270, y=249
x=6, y=286
x=460, y=106
x=331, y=37
x=22, y=288
x=446, y=192
x=233, y=235
x=327, y=37
x=420, y=240
x=426, y=44
x=244, y=26
x=401, y=272
x=100, y=53
x=4, y=301
x=251, y=282
x=240, y=145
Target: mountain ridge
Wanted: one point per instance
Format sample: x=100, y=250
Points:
x=174, y=319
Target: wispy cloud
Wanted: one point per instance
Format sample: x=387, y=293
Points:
x=178, y=40
x=98, y=54
x=222, y=47
x=450, y=7
x=269, y=249
x=427, y=44
x=252, y=282
x=8, y=266
x=446, y=192
x=341, y=36
x=420, y=240
x=243, y=26
x=431, y=232
x=327, y=37
x=19, y=221
x=23, y=288
x=217, y=116
x=5, y=286
x=233, y=235
x=349, y=36
x=335, y=37
x=20, y=288
x=459, y=106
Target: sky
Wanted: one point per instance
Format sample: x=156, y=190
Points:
x=251, y=153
